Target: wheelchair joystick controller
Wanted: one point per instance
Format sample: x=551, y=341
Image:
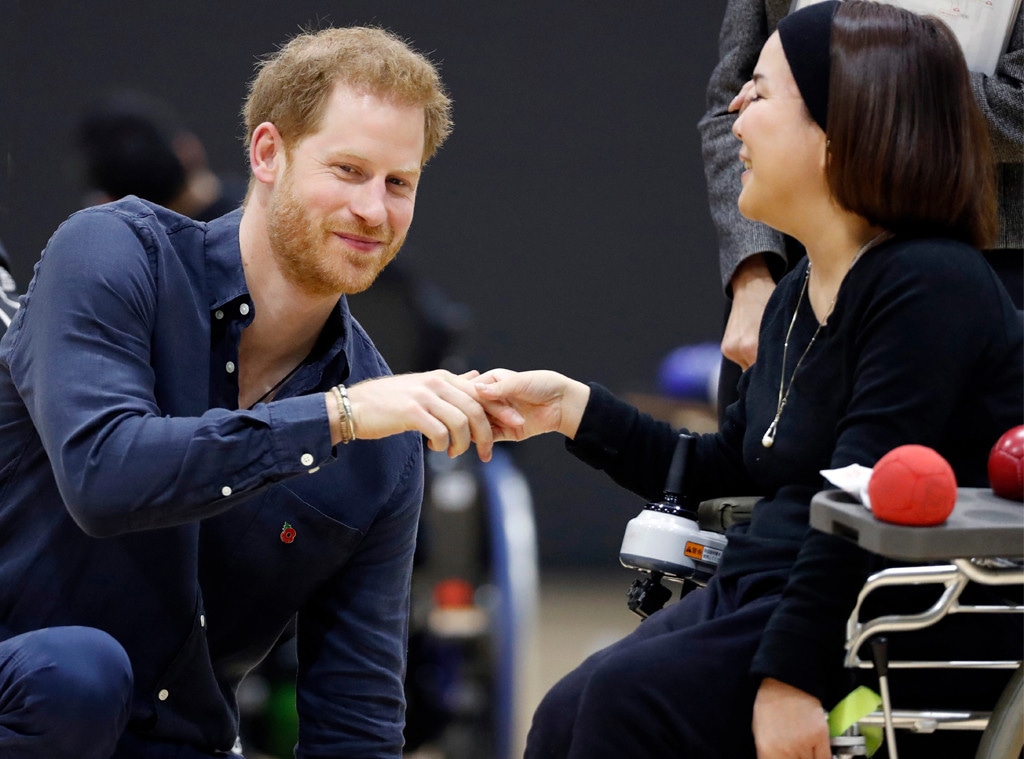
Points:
x=665, y=540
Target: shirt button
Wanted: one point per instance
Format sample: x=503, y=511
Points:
x=244, y=309
x=163, y=694
x=307, y=459
x=218, y=314
x=225, y=491
x=230, y=367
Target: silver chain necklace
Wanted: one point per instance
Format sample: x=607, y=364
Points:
x=768, y=440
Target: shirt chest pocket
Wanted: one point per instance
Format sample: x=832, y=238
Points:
x=272, y=551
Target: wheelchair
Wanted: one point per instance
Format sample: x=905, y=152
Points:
x=982, y=542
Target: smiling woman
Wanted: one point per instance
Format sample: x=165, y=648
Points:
x=894, y=331
x=783, y=149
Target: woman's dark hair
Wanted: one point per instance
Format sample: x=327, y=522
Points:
x=908, y=146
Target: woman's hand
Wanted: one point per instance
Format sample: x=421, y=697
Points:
x=546, y=401
x=789, y=723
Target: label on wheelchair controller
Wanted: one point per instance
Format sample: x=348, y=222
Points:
x=702, y=552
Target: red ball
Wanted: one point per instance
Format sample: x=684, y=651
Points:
x=1006, y=465
x=912, y=485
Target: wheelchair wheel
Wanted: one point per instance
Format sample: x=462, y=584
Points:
x=1004, y=736
x=474, y=602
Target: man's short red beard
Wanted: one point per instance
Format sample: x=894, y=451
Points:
x=302, y=248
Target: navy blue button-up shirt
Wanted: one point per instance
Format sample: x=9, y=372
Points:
x=136, y=497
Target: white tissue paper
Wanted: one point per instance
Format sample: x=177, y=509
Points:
x=853, y=479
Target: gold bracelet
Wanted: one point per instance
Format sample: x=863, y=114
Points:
x=348, y=426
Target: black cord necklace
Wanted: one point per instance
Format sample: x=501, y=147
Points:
x=275, y=388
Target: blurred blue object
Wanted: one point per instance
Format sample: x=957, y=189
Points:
x=690, y=372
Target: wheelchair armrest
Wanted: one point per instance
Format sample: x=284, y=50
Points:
x=719, y=514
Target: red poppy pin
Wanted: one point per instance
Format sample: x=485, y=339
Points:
x=287, y=533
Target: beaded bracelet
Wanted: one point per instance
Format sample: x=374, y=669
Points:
x=348, y=425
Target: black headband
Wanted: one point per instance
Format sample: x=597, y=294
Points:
x=806, y=37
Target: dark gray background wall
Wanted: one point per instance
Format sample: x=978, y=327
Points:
x=567, y=211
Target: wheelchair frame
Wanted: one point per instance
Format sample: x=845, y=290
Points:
x=987, y=529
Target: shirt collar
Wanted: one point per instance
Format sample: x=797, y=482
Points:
x=225, y=278
x=226, y=283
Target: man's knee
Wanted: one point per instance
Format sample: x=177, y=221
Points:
x=66, y=690
x=83, y=668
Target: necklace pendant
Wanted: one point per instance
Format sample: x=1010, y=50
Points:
x=769, y=436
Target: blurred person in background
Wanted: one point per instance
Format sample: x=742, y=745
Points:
x=133, y=143
x=8, y=292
